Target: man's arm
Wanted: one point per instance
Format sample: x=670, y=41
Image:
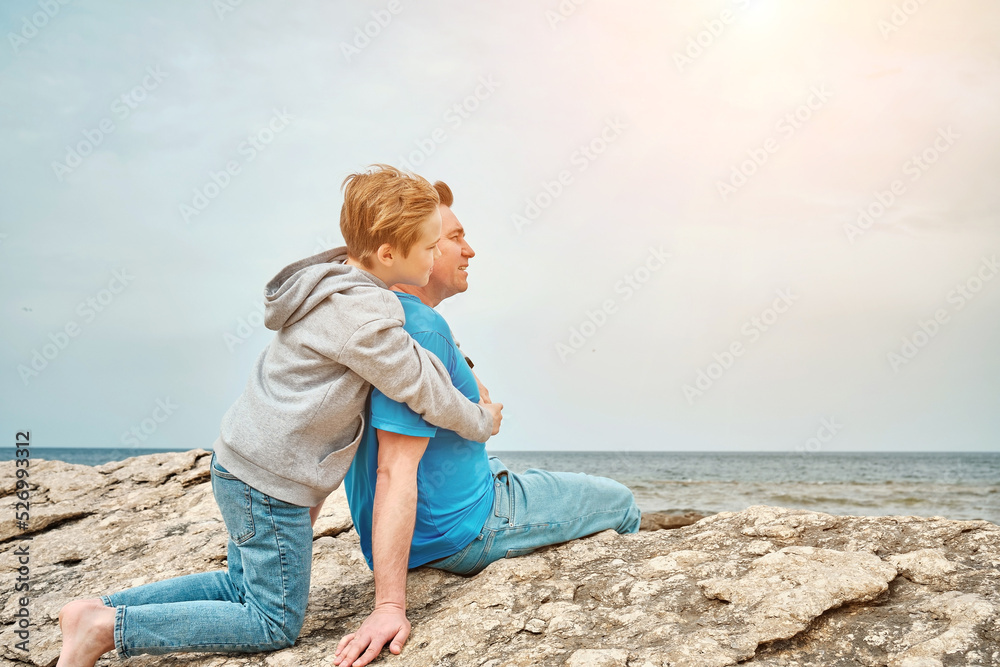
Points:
x=315, y=510
x=384, y=354
x=392, y=531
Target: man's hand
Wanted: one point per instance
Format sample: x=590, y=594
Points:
x=484, y=393
x=393, y=516
x=387, y=623
x=495, y=409
x=314, y=512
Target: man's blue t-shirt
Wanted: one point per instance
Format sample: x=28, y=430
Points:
x=454, y=482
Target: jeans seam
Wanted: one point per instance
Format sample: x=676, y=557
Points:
x=123, y=652
x=119, y=633
x=282, y=564
x=478, y=567
x=459, y=555
x=249, y=498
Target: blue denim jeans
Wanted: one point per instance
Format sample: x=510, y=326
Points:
x=539, y=508
x=257, y=604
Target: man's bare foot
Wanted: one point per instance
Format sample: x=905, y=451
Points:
x=88, y=630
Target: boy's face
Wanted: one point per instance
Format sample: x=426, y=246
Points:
x=416, y=267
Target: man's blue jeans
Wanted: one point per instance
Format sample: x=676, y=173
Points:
x=257, y=604
x=539, y=508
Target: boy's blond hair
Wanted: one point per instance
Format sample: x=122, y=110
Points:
x=384, y=205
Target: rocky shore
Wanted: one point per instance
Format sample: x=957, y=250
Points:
x=765, y=586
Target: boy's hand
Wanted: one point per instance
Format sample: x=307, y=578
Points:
x=495, y=409
x=387, y=623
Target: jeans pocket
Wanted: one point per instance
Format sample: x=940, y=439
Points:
x=469, y=560
x=235, y=503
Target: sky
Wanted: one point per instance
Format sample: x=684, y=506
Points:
x=737, y=225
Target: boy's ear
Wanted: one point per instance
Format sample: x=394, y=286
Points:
x=385, y=254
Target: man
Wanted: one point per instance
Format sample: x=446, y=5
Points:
x=422, y=495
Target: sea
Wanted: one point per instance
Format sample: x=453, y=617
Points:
x=955, y=485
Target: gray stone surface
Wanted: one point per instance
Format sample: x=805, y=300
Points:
x=765, y=586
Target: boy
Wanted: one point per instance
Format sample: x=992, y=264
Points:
x=290, y=437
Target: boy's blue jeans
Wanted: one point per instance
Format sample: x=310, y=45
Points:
x=539, y=508
x=257, y=604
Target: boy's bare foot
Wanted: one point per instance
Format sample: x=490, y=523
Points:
x=88, y=630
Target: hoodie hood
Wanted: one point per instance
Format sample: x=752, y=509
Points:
x=303, y=285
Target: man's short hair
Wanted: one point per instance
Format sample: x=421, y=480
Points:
x=384, y=204
x=444, y=192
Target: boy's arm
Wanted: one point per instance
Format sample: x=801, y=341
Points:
x=392, y=531
x=384, y=354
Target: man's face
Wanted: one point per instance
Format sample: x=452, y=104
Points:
x=450, y=275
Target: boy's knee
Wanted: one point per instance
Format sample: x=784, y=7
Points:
x=280, y=638
x=279, y=632
x=292, y=632
x=287, y=635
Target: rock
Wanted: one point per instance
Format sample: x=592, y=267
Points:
x=42, y=517
x=923, y=566
x=586, y=657
x=335, y=517
x=668, y=520
x=782, y=592
x=765, y=586
x=964, y=612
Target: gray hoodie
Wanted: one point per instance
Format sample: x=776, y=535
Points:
x=293, y=431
